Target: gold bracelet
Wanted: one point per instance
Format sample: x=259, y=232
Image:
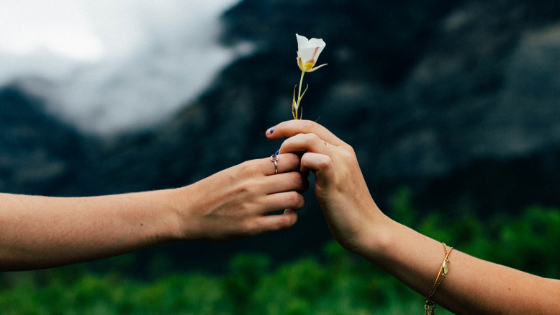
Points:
x=430, y=306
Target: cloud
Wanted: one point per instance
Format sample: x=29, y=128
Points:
x=59, y=26
x=152, y=58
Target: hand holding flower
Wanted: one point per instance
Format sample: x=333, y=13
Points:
x=340, y=188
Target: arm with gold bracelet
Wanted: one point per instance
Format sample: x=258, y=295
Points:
x=460, y=283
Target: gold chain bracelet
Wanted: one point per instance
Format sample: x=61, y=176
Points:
x=430, y=306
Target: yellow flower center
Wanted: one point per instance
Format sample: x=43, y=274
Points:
x=308, y=66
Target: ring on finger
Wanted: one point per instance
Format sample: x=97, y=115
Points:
x=274, y=158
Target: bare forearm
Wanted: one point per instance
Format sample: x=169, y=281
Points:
x=472, y=286
x=42, y=232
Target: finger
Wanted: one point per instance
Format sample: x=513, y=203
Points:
x=305, y=143
x=320, y=164
x=286, y=163
x=292, y=181
x=281, y=201
x=276, y=222
x=291, y=128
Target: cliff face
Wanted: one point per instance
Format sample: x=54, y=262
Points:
x=458, y=100
x=38, y=154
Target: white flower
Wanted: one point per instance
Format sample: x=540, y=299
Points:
x=308, y=53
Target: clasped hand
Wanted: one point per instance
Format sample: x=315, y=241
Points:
x=235, y=202
x=340, y=188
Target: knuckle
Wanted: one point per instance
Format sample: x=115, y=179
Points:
x=298, y=138
x=349, y=154
x=325, y=162
x=284, y=222
x=313, y=137
x=247, y=166
x=294, y=199
x=248, y=227
x=301, y=204
x=248, y=187
x=241, y=190
x=349, y=148
x=297, y=179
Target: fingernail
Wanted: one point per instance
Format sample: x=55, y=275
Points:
x=277, y=152
x=271, y=131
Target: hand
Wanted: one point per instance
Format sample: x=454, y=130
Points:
x=235, y=203
x=351, y=213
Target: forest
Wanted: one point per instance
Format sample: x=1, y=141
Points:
x=334, y=282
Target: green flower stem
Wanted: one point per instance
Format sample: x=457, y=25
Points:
x=299, y=93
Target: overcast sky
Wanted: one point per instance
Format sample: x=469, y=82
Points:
x=113, y=65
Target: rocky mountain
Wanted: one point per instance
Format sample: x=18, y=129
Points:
x=457, y=100
x=38, y=153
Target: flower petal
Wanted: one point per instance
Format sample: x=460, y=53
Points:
x=302, y=42
x=300, y=64
x=306, y=54
x=314, y=42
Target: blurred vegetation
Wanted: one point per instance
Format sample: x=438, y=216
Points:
x=338, y=282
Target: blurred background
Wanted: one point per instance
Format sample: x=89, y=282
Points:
x=452, y=108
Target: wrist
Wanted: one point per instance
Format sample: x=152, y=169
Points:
x=168, y=209
x=182, y=207
x=377, y=237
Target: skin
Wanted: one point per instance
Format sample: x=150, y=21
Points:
x=42, y=232
x=472, y=286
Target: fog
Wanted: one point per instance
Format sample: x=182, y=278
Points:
x=109, y=66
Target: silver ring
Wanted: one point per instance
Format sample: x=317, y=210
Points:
x=274, y=158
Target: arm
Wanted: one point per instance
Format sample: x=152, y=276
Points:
x=41, y=232
x=472, y=286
